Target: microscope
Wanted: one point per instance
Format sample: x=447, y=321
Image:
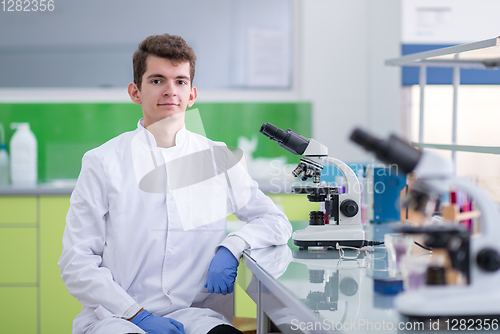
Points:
x=344, y=228
x=465, y=283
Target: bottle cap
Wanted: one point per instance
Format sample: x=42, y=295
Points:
x=20, y=125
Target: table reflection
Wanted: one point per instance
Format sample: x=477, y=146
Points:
x=321, y=286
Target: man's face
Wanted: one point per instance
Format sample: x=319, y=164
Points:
x=166, y=89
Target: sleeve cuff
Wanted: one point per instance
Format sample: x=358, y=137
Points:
x=130, y=312
x=235, y=245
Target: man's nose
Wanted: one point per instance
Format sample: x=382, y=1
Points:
x=169, y=89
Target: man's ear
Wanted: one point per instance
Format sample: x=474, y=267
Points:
x=192, y=96
x=134, y=93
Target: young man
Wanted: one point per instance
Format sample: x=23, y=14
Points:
x=145, y=246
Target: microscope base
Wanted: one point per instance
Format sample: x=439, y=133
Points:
x=328, y=243
x=449, y=303
x=330, y=236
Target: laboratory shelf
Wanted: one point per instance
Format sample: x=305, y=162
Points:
x=482, y=54
x=461, y=148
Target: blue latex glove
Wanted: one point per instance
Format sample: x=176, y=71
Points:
x=157, y=325
x=222, y=272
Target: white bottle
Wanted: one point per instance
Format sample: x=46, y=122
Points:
x=23, y=156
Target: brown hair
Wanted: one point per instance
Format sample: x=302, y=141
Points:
x=168, y=46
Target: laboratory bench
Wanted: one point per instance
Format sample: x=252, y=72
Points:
x=49, y=188
x=296, y=289
x=315, y=291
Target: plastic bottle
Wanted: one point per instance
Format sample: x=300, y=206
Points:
x=4, y=159
x=23, y=156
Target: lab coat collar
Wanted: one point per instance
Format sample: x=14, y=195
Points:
x=149, y=139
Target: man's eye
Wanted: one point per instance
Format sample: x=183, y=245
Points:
x=182, y=82
x=155, y=81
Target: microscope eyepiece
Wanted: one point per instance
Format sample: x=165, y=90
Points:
x=289, y=139
x=273, y=132
x=392, y=151
x=369, y=142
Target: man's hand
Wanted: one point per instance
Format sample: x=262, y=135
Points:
x=157, y=325
x=222, y=272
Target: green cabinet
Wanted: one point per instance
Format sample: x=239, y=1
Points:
x=19, y=273
x=18, y=211
x=18, y=310
x=33, y=296
x=57, y=307
x=20, y=266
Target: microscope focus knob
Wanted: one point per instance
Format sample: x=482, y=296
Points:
x=349, y=208
x=488, y=259
x=348, y=286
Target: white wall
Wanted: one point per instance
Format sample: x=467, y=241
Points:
x=343, y=46
x=449, y=21
x=339, y=65
x=90, y=43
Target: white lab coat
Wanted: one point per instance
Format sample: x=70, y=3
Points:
x=124, y=247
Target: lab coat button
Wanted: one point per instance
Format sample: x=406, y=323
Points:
x=168, y=292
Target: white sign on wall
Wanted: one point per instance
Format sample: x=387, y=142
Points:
x=268, y=58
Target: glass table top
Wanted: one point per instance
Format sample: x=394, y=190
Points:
x=321, y=291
